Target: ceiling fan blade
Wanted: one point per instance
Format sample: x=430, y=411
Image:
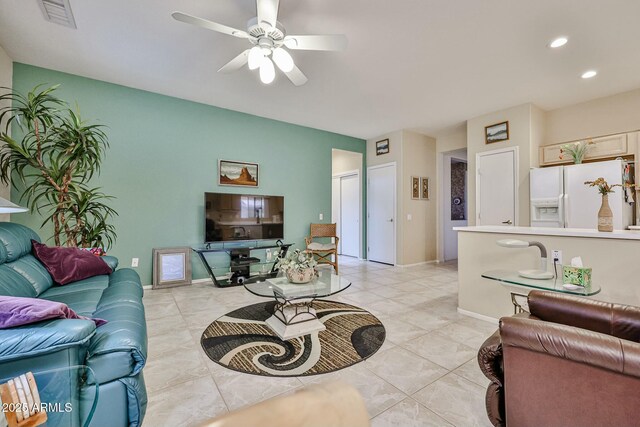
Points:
x=267, y=12
x=296, y=76
x=328, y=42
x=210, y=25
x=236, y=63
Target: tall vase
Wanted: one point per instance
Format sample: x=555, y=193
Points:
x=605, y=216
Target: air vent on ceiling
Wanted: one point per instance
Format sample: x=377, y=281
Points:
x=58, y=12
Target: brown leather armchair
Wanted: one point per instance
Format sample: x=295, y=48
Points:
x=571, y=361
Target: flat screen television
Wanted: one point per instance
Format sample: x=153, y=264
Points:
x=243, y=217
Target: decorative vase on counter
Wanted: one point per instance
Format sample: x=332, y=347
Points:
x=302, y=275
x=605, y=216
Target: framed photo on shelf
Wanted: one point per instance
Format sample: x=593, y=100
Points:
x=424, y=188
x=171, y=267
x=415, y=187
x=234, y=173
x=496, y=133
x=382, y=147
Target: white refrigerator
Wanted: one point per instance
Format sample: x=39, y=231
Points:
x=560, y=198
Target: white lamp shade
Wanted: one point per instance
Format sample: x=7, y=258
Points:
x=283, y=59
x=267, y=71
x=8, y=207
x=513, y=243
x=255, y=57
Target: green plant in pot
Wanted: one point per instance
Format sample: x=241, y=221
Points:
x=51, y=159
x=298, y=266
x=576, y=150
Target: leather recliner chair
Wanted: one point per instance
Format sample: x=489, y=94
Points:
x=570, y=361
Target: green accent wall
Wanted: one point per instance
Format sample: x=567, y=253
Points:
x=164, y=154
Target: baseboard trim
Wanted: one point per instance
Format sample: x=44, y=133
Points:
x=477, y=315
x=433, y=261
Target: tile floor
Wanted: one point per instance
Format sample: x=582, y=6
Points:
x=425, y=374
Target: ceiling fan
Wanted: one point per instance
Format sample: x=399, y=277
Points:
x=269, y=40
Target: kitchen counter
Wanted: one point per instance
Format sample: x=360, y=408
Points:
x=243, y=223
x=564, y=232
x=612, y=256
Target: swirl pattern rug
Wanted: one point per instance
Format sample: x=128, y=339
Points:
x=240, y=340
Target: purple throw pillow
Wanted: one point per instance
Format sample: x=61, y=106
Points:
x=17, y=311
x=66, y=265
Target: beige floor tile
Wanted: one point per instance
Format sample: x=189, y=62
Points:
x=455, y=399
x=378, y=395
x=239, y=389
x=408, y=413
x=169, y=342
x=441, y=349
x=398, y=331
x=164, y=325
x=471, y=371
x=157, y=310
x=174, y=368
x=404, y=370
x=186, y=404
x=463, y=334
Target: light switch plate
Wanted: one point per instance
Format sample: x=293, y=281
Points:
x=321, y=217
x=409, y=217
x=135, y=262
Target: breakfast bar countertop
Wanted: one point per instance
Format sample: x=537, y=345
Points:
x=562, y=232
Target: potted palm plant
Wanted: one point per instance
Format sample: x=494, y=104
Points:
x=51, y=158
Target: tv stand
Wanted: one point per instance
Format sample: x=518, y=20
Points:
x=241, y=260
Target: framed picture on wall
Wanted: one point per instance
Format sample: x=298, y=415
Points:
x=496, y=133
x=415, y=187
x=171, y=267
x=424, y=188
x=234, y=173
x=382, y=147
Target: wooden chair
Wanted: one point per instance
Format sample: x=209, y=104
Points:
x=323, y=251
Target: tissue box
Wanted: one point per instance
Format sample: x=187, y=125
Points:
x=576, y=276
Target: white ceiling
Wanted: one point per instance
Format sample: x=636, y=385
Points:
x=426, y=65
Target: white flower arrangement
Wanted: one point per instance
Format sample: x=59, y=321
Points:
x=296, y=260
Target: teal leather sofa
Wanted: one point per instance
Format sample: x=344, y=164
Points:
x=116, y=352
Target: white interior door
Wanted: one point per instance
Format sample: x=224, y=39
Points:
x=349, y=215
x=496, y=189
x=455, y=204
x=381, y=213
x=335, y=205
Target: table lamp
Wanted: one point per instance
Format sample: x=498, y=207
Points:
x=540, y=274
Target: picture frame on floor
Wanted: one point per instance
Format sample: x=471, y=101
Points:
x=496, y=133
x=382, y=147
x=238, y=174
x=171, y=267
x=415, y=188
x=424, y=188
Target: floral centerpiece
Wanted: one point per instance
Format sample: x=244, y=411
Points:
x=577, y=150
x=299, y=266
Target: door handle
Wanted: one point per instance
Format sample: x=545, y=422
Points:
x=391, y=220
x=508, y=222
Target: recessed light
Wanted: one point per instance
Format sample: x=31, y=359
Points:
x=589, y=74
x=559, y=42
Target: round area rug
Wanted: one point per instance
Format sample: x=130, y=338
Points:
x=240, y=340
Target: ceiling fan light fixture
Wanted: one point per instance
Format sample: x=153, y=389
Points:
x=255, y=57
x=283, y=59
x=267, y=71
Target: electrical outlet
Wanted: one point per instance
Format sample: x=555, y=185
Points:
x=134, y=262
x=268, y=255
x=321, y=217
x=556, y=255
x=409, y=217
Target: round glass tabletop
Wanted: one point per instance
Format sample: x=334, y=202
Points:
x=324, y=285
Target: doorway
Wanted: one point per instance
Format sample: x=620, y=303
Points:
x=381, y=213
x=496, y=187
x=454, y=200
x=345, y=212
x=346, y=201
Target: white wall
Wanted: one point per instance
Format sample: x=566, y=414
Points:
x=525, y=129
x=6, y=80
x=603, y=116
x=346, y=161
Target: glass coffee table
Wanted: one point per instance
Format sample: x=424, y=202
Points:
x=294, y=315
